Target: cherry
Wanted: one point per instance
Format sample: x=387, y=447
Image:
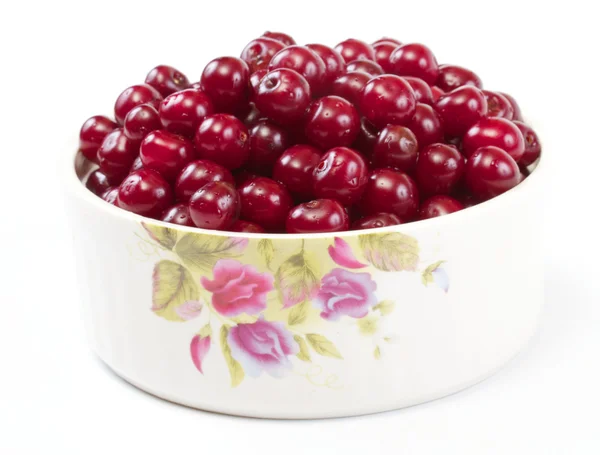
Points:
x=305, y=62
x=225, y=81
x=294, y=169
x=439, y=169
x=494, y=131
x=254, y=81
x=451, y=77
x=145, y=192
x=265, y=202
x=353, y=49
x=416, y=60
x=222, y=138
x=137, y=164
x=97, y=182
x=92, y=133
x=426, y=125
x=258, y=52
x=331, y=121
x=498, y=105
x=167, y=80
x=396, y=147
x=322, y=215
x=110, y=195
x=334, y=63
x=267, y=143
x=366, y=66
x=387, y=99
x=387, y=40
x=242, y=176
x=252, y=117
x=140, y=121
x=377, y=220
x=436, y=93
x=490, y=171
x=178, y=214
x=421, y=88
x=390, y=191
x=182, y=112
x=283, y=95
x=166, y=153
x=116, y=154
x=460, y=109
x=350, y=85
x=282, y=37
x=198, y=173
x=215, y=206
x=383, y=50
x=439, y=205
x=516, y=109
x=134, y=96
x=533, y=148
x=366, y=138
x=246, y=226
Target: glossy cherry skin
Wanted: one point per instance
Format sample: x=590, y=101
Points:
x=390, y=191
x=366, y=66
x=416, y=60
x=439, y=205
x=198, y=173
x=178, y=214
x=497, y=132
x=353, y=49
x=377, y=220
x=426, y=125
x=387, y=99
x=265, y=202
x=498, y=105
x=386, y=39
x=436, y=93
x=282, y=37
x=110, y=195
x=334, y=63
x=167, y=80
x=305, y=62
x=366, y=138
x=224, y=139
x=182, y=112
x=283, y=95
x=246, y=226
x=516, y=109
x=145, y=192
x=331, y=121
x=116, y=154
x=215, y=206
x=97, y=182
x=134, y=96
x=533, y=148
x=383, y=50
x=258, y=52
x=140, y=121
x=267, y=142
x=421, y=88
x=321, y=215
x=294, y=169
x=490, y=171
x=254, y=81
x=225, y=81
x=137, y=164
x=166, y=153
x=461, y=109
x=349, y=86
x=451, y=77
x=439, y=169
x=252, y=116
x=92, y=133
x=397, y=148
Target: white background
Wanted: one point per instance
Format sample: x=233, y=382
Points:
x=62, y=62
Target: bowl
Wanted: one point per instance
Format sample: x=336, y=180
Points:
x=309, y=326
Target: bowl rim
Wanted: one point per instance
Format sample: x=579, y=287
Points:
x=74, y=186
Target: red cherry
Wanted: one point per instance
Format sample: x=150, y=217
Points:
x=426, y=125
x=305, y=62
x=353, y=49
x=350, y=85
x=461, y=109
x=294, y=169
x=436, y=93
x=97, y=182
x=497, y=132
x=334, y=63
x=258, y=52
x=439, y=205
x=198, y=173
x=166, y=153
x=215, y=206
x=116, y=154
x=140, y=121
x=387, y=99
x=533, y=148
x=145, y=192
x=92, y=133
x=422, y=90
x=178, y=214
x=366, y=139
x=182, y=112
x=265, y=202
x=254, y=81
x=383, y=50
x=246, y=226
x=282, y=37
x=390, y=191
x=134, y=96
x=331, y=121
x=137, y=164
x=490, y=171
x=439, y=169
x=516, y=109
x=322, y=215
x=414, y=60
x=222, y=138
x=167, y=80
x=387, y=40
x=451, y=77
x=267, y=143
x=376, y=221
x=283, y=95
x=252, y=117
x=366, y=66
x=498, y=105
x=396, y=147
x=110, y=195
x=341, y=174
x=225, y=81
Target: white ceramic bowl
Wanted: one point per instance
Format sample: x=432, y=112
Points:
x=304, y=326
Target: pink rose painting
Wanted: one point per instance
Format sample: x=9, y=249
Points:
x=262, y=346
x=345, y=293
x=237, y=288
x=199, y=347
x=342, y=254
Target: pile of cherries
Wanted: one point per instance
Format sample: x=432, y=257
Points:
x=291, y=138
